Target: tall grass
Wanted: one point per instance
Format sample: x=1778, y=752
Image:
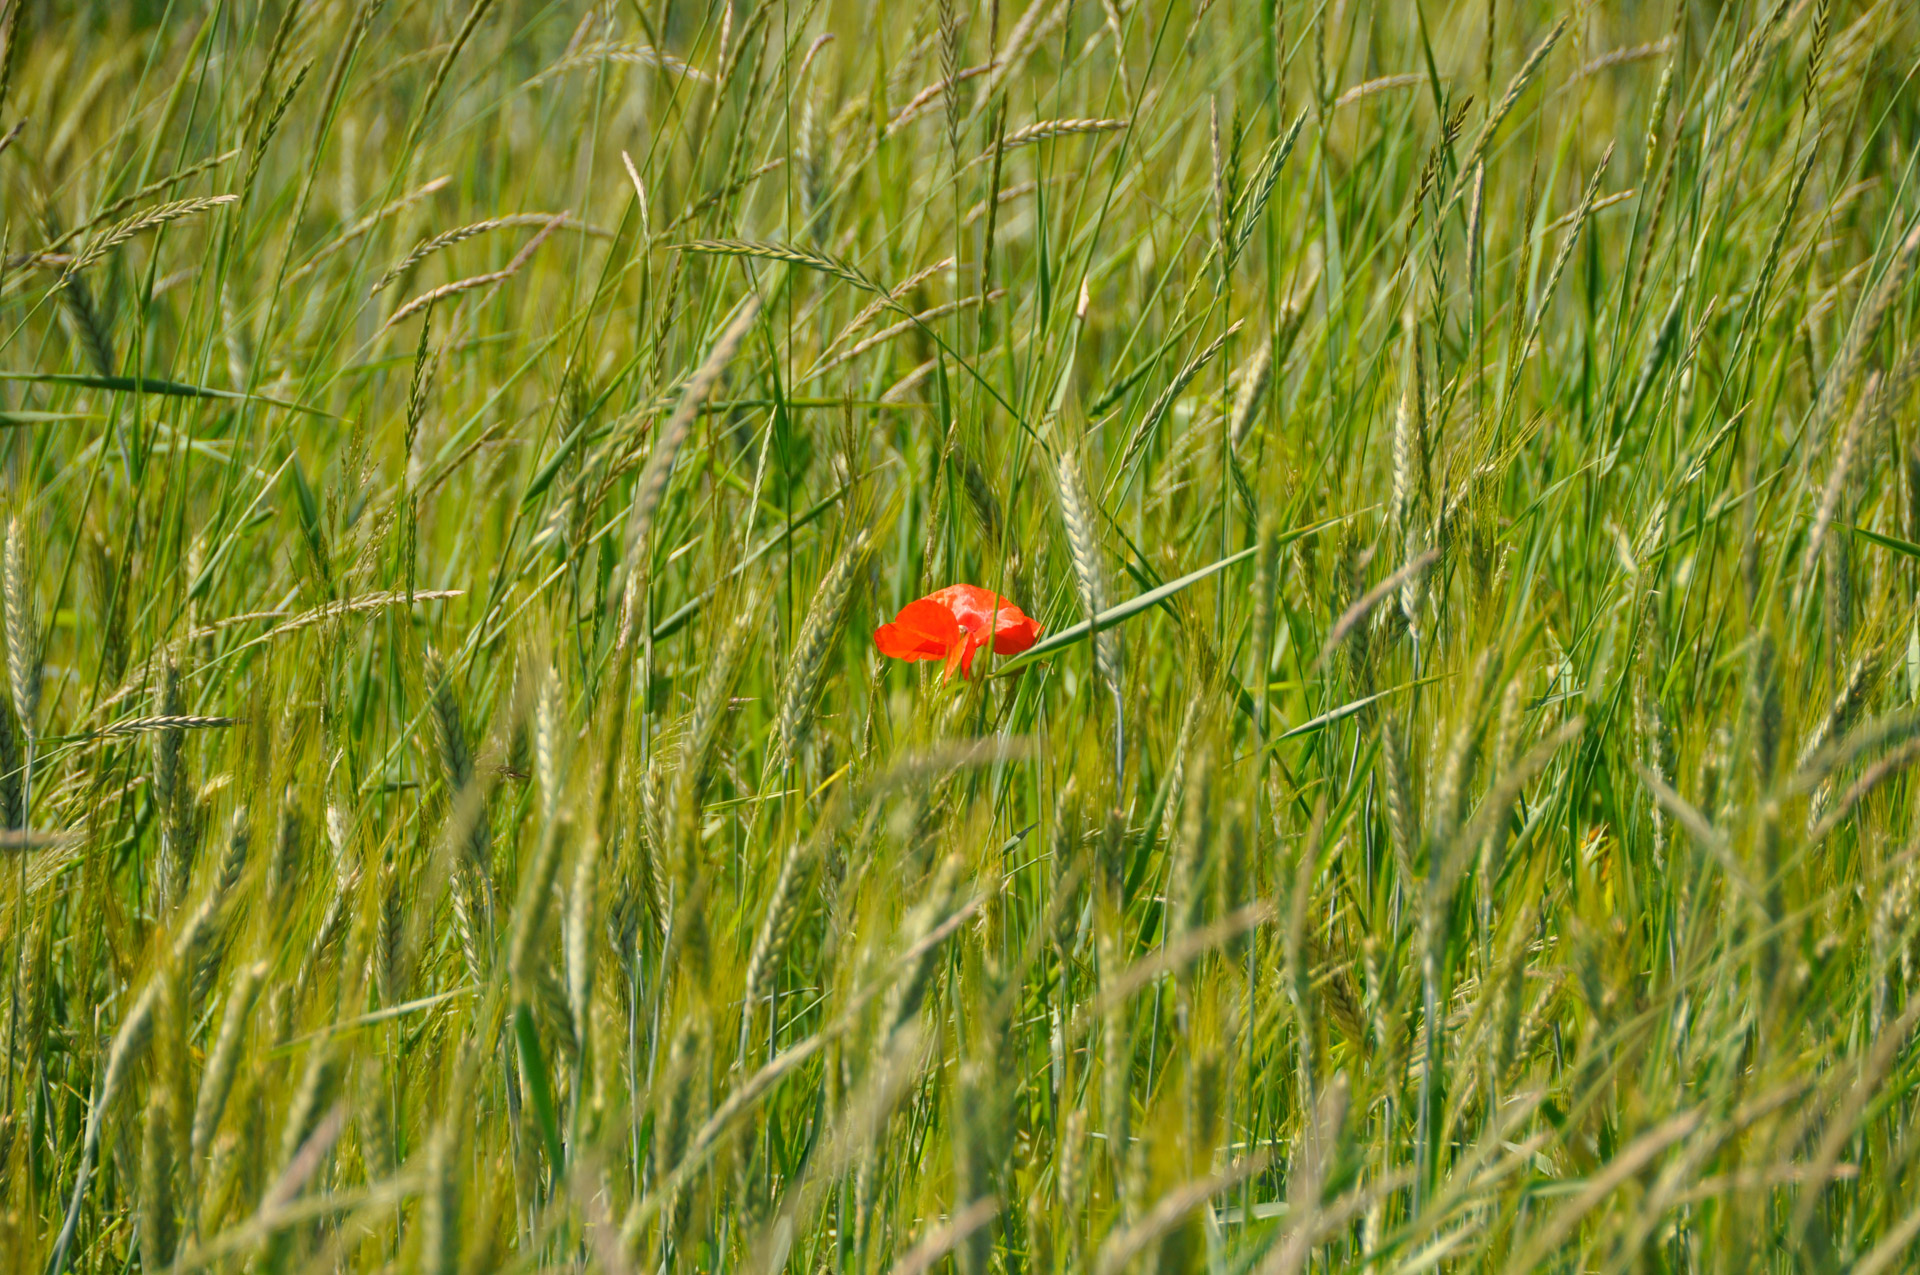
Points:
x=1460, y=813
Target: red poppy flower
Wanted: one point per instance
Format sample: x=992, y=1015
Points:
x=950, y=624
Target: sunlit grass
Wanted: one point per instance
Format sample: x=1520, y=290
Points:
x=1455, y=812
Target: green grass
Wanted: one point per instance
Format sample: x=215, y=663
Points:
x=1462, y=455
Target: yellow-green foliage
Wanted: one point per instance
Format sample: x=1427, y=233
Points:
x=1459, y=817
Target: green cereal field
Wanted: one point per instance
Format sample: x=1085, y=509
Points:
x=983, y=636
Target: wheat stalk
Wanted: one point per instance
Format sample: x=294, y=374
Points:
x=806, y=665
x=144, y=725
x=939, y=90
x=892, y=299
x=389, y=946
x=530, y=911
x=460, y=234
x=622, y=54
x=1830, y=494
x=129, y=1043
x=652, y=483
x=918, y=321
x=776, y=927
x=1042, y=130
x=152, y=219
x=156, y=1211
x=364, y=224
x=1351, y=618
x=1508, y=99
x=701, y=731
x=129, y=200
x=475, y=282
x=1088, y=575
x=1254, y=378
x=223, y=1062
x=825, y=263
x=23, y=655
x=582, y=911
x=1150, y=423
x=1090, y=580
x=89, y=328
x=1860, y=334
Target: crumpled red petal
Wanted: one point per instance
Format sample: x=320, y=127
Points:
x=979, y=610
x=1015, y=634
x=923, y=630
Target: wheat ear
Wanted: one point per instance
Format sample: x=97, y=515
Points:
x=807, y=666
x=1088, y=576
x=652, y=483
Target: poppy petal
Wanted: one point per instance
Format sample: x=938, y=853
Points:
x=966, y=655
x=1014, y=634
x=897, y=643
x=979, y=611
x=952, y=624
x=973, y=608
x=931, y=621
x=922, y=631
